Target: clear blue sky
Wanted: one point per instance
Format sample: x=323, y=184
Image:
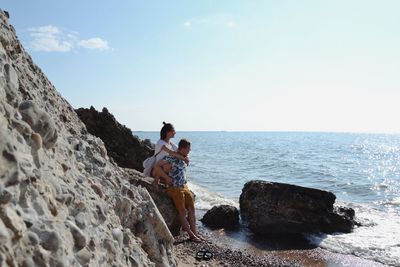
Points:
x=222, y=65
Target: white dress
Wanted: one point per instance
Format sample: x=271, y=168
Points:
x=160, y=143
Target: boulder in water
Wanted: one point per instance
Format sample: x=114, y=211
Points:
x=223, y=216
x=277, y=208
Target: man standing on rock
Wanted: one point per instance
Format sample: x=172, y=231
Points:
x=173, y=170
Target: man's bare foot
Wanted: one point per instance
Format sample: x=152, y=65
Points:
x=201, y=237
x=196, y=239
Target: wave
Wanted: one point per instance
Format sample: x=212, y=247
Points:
x=206, y=199
x=378, y=239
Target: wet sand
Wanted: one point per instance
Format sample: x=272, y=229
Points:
x=240, y=248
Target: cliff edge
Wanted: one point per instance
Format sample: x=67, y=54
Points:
x=62, y=201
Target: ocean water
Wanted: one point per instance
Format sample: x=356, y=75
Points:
x=362, y=170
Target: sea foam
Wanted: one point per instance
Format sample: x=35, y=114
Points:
x=377, y=239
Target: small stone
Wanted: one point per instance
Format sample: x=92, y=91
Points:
x=92, y=245
x=5, y=196
x=13, y=221
x=96, y=188
x=100, y=214
x=80, y=220
x=37, y=141
x=40, y=257
x=118, y=236
x=3, y=232
x=28, y=262
x=79, y=237
x=40, y=122
x=127, y=239
x=81, y=206
x=65, y=167
x=50, y=241
x=83, y=256
x=33, y=238
x=109, y=245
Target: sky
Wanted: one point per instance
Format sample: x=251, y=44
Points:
x=229, y=65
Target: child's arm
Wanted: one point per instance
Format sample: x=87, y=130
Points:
x=175, y=154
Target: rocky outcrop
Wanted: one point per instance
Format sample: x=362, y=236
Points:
x=126, y=150
x=275, y=208
x=223, y=216
x=129, y=151
x=62, y=201
x=161, y=199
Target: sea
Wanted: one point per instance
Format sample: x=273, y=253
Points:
x=362, y=170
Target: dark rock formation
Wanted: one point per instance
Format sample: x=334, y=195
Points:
x=276, y=208
x=223, y=216
x=126, y=150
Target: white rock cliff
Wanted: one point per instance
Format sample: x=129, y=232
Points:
x=62, y=201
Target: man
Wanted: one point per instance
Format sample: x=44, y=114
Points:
x=173, y=171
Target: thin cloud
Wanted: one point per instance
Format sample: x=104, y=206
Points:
x=50, y=38
x=94, y=43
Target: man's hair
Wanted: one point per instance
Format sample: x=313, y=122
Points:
x=183, y=143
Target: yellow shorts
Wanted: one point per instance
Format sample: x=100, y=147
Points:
x=182, y=198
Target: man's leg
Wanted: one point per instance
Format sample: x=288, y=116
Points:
x=186, y=226
x=189, y=205
x=178, y=197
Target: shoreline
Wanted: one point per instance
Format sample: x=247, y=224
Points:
x=232, y=249
x=225, y=256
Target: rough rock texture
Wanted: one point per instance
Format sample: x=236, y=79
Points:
x=274, y=208
x=127, y=150
x=223, y=216
x=62, y=202
x=161, y=199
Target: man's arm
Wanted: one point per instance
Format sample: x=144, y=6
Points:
x=161, y=173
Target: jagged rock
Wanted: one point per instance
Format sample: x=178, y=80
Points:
x=51, y=189
x=79, y=237
x=223, y=216
x=40, y=122
x=275, y=208
x=127, y=150
x=162, y=200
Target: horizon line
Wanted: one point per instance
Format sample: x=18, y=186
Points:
x=275, y=131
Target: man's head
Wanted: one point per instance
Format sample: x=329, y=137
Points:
x=184, y=147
